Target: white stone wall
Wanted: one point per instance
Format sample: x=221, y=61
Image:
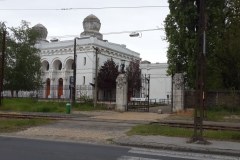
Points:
x=160, y=82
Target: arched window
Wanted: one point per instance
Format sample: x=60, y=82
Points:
x=72, y=66
x=69, y=64
x=60, y=87
x=57, y=65
x=47, y=87
x=60, y=66
x=47, y=67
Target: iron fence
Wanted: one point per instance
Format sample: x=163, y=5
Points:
x=159, y=101
x=83, y=92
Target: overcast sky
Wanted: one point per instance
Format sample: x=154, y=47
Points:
x=151, y=45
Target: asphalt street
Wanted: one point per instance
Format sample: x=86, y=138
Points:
x=29, y=149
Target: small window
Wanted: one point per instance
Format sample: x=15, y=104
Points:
x=84, y=61
x=83, y=80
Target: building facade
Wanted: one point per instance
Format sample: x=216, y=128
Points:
x=160, y=83
x=57, y=59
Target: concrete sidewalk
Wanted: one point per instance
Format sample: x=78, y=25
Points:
x=180, y=144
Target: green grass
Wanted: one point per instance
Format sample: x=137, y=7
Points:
x=220, y=114
x=31, y=105
x=13, y=125
x=88, y=107
x=155, y=129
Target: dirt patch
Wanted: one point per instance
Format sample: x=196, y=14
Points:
x=149, y=117
x=126, y=116
x=183, y=115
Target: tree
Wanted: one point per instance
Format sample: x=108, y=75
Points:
x=180, y=28
x=22, y=69
x=181, y=33
x=134, y=78
x=229, y=49
x=107, y=76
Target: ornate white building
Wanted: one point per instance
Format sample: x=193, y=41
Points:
x=57, y=59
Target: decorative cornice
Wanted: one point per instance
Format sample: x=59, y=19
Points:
x=87, y=48
x=118, y=55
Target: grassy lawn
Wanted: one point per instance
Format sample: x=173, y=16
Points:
x=155, y=129
x=31, y=105
x=88, y=107
x=13, y=125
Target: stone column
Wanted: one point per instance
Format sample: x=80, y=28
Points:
x=178, y=92
x=121, y=93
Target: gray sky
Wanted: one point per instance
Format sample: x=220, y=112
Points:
x=151, y=45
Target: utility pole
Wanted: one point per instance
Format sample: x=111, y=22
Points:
x=200, y=76
x=2, y=60
x=96, y=75
x=73, y=88
x=172, y=92
x=148, y=81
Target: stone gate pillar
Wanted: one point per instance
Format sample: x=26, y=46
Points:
x=178, y=92
x=121, y=92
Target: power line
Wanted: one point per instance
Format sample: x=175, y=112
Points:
x=121, y=32
x=79, y=8
x=110, y=33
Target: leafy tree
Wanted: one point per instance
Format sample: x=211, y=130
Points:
x=181, y=27
x=22, y=69
x=228, y=57
x=134, y=78
x=107, y=76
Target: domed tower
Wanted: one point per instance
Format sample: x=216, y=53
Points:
x=42, y=30
x=91, y=26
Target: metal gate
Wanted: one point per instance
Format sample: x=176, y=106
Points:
x=140, y=103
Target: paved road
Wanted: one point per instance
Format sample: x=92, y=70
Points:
x=27, y=149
